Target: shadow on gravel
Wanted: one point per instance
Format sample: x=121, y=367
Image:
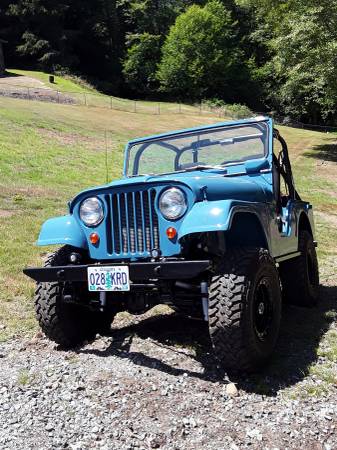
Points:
x=301, y=331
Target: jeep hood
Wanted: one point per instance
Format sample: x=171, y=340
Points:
x=205, y=185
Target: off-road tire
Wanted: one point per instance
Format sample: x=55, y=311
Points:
x=300, y=276
x=66, y=324
x=233, y=297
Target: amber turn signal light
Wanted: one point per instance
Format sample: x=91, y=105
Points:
x=94, y=238
x=171, y=233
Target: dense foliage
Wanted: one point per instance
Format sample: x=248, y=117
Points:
x=276, y=55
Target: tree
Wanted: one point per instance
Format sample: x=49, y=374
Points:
x=305, y=59
x=149, y=21
x=43, y=38
x=298, y=68
x=199, y=57
x=141, y=63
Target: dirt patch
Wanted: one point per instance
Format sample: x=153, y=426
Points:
x=326, y=217
x=44, y=94
x=29, y=191
x=22, y=81
x=31, y=89
x=6, y=213
x=327, y=170
x=72, y=138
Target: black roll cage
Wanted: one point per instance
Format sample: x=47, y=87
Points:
x=282, y=163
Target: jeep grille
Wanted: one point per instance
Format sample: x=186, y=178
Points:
x=132, y=223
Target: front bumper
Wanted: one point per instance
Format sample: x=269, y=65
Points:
x=161, y=270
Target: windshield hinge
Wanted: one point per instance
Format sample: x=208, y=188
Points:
x=203, y=191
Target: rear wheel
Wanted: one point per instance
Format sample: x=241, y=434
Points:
x=245, y=309
x=300, y=276
x=66, y=324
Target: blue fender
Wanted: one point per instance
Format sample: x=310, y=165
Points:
x=217, y=216
x=62, y=230
x=207, y=216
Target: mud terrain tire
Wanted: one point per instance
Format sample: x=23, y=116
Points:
x=64, y=323
x=300, y=276
x=244, y=309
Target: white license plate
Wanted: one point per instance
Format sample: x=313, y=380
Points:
x=108, y=278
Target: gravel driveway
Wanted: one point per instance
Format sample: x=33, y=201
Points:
x=154, y=384
x=28, y=88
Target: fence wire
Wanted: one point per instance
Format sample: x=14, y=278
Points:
x=89, y=99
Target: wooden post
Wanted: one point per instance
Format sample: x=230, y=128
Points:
x=58, y=96
x=28, y=92
x=110, y=102
x=85, y=99
x=135, y=106
x=159, y=108
x=179, y=110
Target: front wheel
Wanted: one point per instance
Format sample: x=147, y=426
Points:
x=244, y=309
x=66, y=324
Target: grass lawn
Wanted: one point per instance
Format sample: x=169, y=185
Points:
x=49, y=152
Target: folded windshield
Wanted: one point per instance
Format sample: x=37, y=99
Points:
x=204, y=149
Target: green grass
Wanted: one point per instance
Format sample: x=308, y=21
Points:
x=49, y=152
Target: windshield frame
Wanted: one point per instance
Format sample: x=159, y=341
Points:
x=145, y=142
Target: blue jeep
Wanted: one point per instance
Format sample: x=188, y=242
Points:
x=206, y=220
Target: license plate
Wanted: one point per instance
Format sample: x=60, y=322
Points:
x=108, y=278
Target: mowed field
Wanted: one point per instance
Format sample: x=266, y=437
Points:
x=49, y=152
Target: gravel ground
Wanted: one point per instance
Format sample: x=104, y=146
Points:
x=28, y=88
x=153, y=383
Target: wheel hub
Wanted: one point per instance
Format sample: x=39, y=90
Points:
x=263, y=309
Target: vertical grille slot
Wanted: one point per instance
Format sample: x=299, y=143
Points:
x=155, y=225
x=134, y=223
x=109, y=237
x=116, y=225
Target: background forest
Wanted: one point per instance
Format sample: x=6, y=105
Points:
x=271, y=55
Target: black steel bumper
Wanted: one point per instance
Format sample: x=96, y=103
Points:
x=165, y=270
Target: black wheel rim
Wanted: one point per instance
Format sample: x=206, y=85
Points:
x=262, y=309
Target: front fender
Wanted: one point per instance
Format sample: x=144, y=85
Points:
x=62, y=230
x=207, y=216
x=215, y=216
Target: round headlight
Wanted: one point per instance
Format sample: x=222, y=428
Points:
x=91, y=211
x=172, y=203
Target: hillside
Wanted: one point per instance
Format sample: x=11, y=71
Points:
x=66, y=89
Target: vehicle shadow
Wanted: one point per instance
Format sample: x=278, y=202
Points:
x=301, y=332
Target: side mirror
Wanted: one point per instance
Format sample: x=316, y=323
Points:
x=256, y=165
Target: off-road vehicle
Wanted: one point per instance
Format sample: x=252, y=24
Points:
x=206, y=220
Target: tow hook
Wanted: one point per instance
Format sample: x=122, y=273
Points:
x=204, y=299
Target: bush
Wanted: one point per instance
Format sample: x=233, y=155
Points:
x=236, y=110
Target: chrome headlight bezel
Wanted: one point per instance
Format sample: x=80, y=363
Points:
x=173, y=203
x=91, y=211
